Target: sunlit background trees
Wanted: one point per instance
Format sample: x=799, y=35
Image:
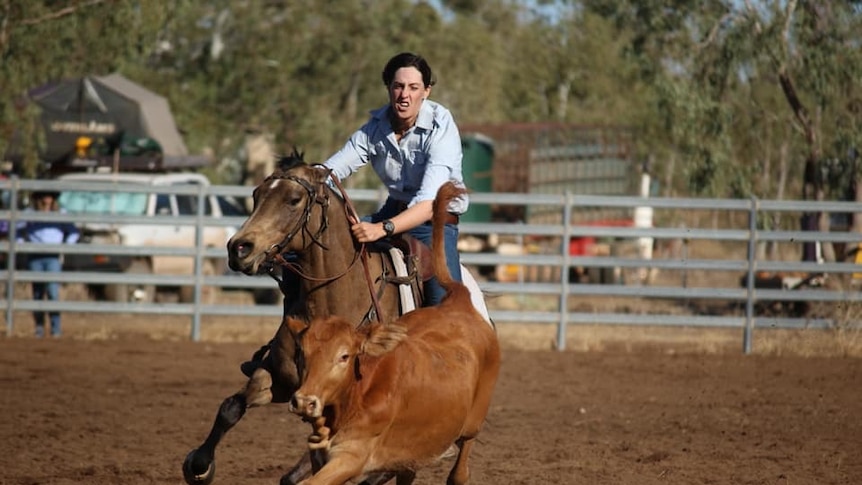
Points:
x=729, y=98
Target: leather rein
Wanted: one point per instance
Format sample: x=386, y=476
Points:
x=275, y=252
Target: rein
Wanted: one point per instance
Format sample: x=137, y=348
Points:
x=353, y=217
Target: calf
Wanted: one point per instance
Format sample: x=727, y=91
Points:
x=392, y=397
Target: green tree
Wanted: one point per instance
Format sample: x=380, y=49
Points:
x=45, y=41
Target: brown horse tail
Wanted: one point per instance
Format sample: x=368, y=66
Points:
x=445, y=195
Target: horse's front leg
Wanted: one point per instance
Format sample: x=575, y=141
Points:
x=199, y=465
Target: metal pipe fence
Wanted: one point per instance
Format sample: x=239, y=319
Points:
x=706, y=268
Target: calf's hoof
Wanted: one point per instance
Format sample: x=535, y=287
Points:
x=197, y=469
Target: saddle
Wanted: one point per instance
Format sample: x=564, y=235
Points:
x=415, y=253
x=411, y=259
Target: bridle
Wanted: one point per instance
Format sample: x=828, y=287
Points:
x=314, y=197
x=274, y=255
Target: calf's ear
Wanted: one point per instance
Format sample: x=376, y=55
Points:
x=382, y=338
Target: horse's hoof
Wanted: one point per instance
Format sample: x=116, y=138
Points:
x=196, y=471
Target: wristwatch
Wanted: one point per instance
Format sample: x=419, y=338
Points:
x=388, y=227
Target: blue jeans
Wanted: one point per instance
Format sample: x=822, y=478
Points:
x=47, y=263
x=434, y=293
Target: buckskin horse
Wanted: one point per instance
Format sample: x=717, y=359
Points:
x=297, y=211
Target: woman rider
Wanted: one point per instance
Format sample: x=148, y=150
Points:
x=413, y=145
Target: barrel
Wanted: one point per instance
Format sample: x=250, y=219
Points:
x=476, y=167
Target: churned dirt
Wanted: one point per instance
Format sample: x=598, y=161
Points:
x=122, y=399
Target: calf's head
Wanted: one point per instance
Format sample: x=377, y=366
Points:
x=330, y=352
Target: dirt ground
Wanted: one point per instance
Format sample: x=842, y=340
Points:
x=111, y=404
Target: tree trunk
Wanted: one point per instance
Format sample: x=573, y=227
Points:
x=780, y=186
x=856, y=220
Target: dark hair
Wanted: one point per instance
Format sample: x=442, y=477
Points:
x=45, y=193
x=408, y=59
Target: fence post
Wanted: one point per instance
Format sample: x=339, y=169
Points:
x=198, y=264
x=12, y=257
x=749, y=277
x=564, y=271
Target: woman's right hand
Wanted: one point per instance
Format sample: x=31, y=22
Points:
x=366, y=232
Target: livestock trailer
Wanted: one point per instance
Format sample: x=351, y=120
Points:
x=551, y=158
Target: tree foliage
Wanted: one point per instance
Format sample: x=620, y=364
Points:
x=703, y=83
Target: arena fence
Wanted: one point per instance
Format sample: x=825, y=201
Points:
x=691, y=263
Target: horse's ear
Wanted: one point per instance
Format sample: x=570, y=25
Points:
x=324, y=171
x=382, y=338
x=295, y=325
x=298, y=155
x=286, y=162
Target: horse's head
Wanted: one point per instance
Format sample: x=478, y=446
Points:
x=290, y=213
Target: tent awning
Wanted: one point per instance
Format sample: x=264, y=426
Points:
x=105, y=108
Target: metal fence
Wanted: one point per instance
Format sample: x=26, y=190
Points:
x=709, y=255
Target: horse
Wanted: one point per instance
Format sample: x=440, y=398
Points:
x=299, y=210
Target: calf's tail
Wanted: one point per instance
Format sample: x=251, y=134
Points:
x=447, y=192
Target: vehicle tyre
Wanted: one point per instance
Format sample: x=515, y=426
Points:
x=209, y=294
x=132, y=292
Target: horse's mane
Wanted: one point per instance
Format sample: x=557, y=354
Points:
x=292, y=163
x=289, y=161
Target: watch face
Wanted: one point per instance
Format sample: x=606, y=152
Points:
x=389, y=227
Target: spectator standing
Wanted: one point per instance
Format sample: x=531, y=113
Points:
x=47, y=232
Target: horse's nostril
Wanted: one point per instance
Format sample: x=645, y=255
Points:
x=242, y=248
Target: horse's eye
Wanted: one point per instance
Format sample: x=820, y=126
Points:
x=295, y=201
x=344, y=357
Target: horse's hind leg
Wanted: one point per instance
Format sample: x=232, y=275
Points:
x=299, y=472
x=306, y=465
x=385, y=477
x=405, y=478
x=199, y=465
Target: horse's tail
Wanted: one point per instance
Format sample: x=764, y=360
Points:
x=445, y=195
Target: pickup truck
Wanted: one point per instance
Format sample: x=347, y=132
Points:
x=153, y=204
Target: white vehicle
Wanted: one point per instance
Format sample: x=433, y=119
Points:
x=169, y=234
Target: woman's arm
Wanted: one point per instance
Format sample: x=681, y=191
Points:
x=415, y=215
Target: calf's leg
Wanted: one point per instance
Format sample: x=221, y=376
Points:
x=345, y=462
x=460, y=472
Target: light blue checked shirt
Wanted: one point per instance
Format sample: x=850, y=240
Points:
x=428, y=155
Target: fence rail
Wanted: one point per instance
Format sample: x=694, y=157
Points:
x=689, y=272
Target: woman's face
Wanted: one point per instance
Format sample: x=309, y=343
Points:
x=406, y=93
